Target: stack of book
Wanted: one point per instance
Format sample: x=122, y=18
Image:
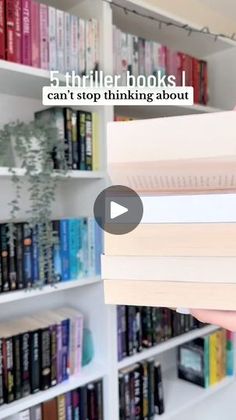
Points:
x=141, y=391
x=183, y=253
x=78, y=133
x=206, y=360
x=41, y=36
x=39, y=352
x=82, y=403
x=144, y=57
x=75, y=254
x=143, y=327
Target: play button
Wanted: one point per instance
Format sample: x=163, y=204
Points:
x=118, y=210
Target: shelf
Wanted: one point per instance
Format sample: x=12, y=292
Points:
x=90, y=373
x=143, y=112
x=167, y=345
x=181, y=395
x=46, y=290
x=198, y=45
x=5, y=173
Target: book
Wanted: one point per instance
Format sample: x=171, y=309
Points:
x=95, y=142
x=52, y=38
x=44, y=36
x=2, y=30
x=81, y=119
x=158, y=392
x=27, y=255
x=10, y=30
x=88, y=141
x=61, y=407
x=4, y=259
x=35, y=33
x=36, y=412
x=60, y=25
x=26, y=33
x=49, y=410
x=18, y=29
x=64, y=241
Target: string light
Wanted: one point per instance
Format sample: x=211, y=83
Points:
x=161, y=22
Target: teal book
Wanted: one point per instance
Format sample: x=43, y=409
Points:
x=74, y=249
x=64, y=241
x=91, y=247
x=84, y=243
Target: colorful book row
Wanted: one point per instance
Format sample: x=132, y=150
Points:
x=75, y=254
x=141, y=392
x=39, y=352
x=207, y=360
x=41, y=36
x=84, y=403
x=143, y=327
x=78, y=133
x=144, y=57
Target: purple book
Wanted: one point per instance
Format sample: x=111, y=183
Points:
x=68, y=406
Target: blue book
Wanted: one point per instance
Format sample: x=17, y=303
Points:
x=27, y=255
x=64, y=240
x=35, y=256
x=65, y=330
x=98, y=248
x=57, y=251
x=91, y=247
x=84, y=246
x=74, y=248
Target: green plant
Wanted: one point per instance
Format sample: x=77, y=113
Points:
x=33, y=144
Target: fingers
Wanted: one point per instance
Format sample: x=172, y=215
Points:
x=224, y=319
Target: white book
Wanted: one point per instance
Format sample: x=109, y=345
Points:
x=74, y=23
x=36, y=412
x=60, y=17
x=166, y=269
x=52, y=38
x=183, y=154
x=68, y=40
x=89, y=46
x=82, y=47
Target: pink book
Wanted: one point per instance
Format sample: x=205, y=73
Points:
x=18, y=31
x=26, y=32
x=44, y=41
x=35, y=34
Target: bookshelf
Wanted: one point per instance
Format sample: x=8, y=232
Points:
x=20, y=91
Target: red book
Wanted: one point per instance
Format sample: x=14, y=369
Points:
x=35, y=34
x=44, y=41
x=10, y=31
x=2, y=29
x=26, y=32
x=204, y=82
x=18, y=31
x=196, y=80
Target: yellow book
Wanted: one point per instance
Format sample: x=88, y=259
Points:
x=96, y=142
x=213, y=358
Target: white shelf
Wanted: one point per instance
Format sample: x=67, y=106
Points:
x=198, y=45
x=181, y=395
x=18, y=295
x=167, y=345
x=5, y=173
x=143, y=112
x=89, y=373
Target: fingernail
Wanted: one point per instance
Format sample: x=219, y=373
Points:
x=183, y=311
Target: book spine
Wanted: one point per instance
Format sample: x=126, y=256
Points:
x=74, y=247
x=2, y=30
x=52, y=38
x=91, y=247
x=158, y=390
x=68, y=137
x=1, y=373
x=82, y=139
x=82, y=47
x=27, y=241
x=68, y=31
x=4, y=259
x=88, y=142
x=74, y=139
x=35, y=361
x=64, y=240
x=35, y=256
x=119, y=332
x=145, y=390
x=74, y=43
x=121, y=396
x=9, y=371
x=83, y=406
x=151, y=384
x=12, y=258
x=127, y=395
x=25, y=364
x=36, y=412
x=53, y=333
x=35, y=33
x=206, y=361
x=44, y=44
x=45, y=362
x=213, y=357
x=92, y=407
x=26, y=32
x=17, y=366
x=59, y=353
x=69, y=406
x=18, y=30
x=79, y=344
x=137, y=393
x=65, y=330
x=95, y=142
x=57, y=251
x=19, y=255
x=96, y=45
x=10, y=31
x=60, y=24
x=75, y=404
x=229, y=353
x=84, y=246
x=99, y=399
x=61, y=407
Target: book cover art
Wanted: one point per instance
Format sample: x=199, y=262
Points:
x=26, y=33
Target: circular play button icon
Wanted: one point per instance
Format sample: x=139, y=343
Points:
x=118, y=210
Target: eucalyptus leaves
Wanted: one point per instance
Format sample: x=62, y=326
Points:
x=31, y=147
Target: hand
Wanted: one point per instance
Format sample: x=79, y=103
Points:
x=225, y=319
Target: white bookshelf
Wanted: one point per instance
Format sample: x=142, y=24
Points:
x=20, y=97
